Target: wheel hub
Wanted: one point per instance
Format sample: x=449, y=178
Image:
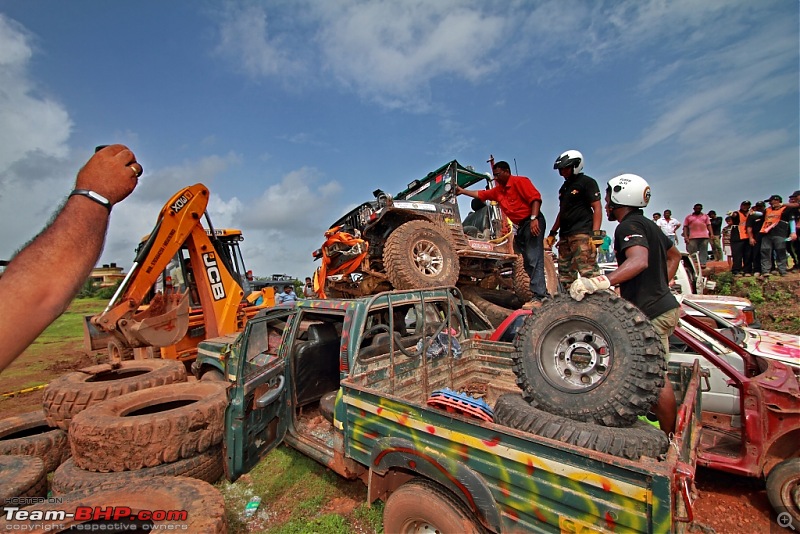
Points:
x=579, y=361
x=428, y=258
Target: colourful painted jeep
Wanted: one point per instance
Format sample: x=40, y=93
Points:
x=395, y=390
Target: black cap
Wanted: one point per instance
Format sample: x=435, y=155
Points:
x=746, y=202
x=795, y=194
x=775, y=197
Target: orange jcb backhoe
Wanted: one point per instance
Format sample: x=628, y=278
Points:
x=187, y=283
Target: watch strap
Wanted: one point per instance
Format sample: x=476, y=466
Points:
x=97, y=197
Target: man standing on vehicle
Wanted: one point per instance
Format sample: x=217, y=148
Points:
x=647, y=260
x=521, y=202
x=578, y=220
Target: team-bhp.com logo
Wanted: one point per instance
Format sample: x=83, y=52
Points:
x=88, y=518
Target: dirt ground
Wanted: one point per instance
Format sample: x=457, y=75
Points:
x=724, y=503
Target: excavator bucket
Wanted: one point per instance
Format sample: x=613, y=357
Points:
x=162, y=324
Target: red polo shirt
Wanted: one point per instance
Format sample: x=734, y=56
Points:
x=515, y=197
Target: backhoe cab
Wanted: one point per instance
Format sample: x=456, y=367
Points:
x=187, y=283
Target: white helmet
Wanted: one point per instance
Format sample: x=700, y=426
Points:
x=570, y=158
x=628, y=190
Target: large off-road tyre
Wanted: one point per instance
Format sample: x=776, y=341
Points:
x=30, y=435
x=119, y=352
x=598, y=360
x=783, y=488
x=640, y=439
x=149, y=427
x=22, y=476
x=551, y=274
x=521, y=280
x=418, y=255
x=206, y=466
x=69, y=394
x=496, y=314
x=421, y=506
x=202, y=503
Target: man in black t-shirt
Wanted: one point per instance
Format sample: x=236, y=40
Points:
x=578, y=221
x=754, y=223
x=716, y=235
x=647, y=260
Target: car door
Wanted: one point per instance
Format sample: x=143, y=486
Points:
x=259, y=411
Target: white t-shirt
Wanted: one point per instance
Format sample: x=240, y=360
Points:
x=668, y=226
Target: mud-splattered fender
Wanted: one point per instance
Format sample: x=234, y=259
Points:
x=463, y=482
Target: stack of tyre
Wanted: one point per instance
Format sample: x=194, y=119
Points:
x=115, y=428
x=588, y=370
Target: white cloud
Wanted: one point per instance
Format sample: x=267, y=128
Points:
x=246, y=40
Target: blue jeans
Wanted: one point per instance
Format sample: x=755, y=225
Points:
x=531, y=247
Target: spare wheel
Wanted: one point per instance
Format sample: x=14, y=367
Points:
x=640, y=439
x=418, y=255
x=149, y=427
x=30, y=435
x=596, y=360
x=70, y=393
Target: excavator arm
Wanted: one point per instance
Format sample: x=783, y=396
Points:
x=165, y=321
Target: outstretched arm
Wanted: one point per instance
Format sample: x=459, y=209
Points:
x=32, y=296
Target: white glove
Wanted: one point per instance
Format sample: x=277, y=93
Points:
x=583, y=286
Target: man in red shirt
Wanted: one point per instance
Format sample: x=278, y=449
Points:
x=521, y=202
x=697, y=232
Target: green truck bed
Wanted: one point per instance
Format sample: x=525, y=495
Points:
x=517, y=481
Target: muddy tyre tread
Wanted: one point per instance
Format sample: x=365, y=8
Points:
x=103, y=438
x=495, y=313
x=635, y=377
x=22, y=476
x=521, y=280
x=400, y=267
x=641, y=439
x=71, y=393
x=782, y=483
x=416, y=497
x=206, y=466
x=34, y=437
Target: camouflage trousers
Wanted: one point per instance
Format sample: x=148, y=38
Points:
x=576, y=254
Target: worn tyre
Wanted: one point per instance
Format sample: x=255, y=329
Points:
x=495, y=313
x=418, y=255
x=551, y=274
x=202, y=503
x=149, y=427
x=119, y=351
x=421, y=506
x=640, y=439
x=69, y=394
x=783, y=488
x=597, y=360
x=206, y=466
x=30, y=435
x=22, y=476
x=522, y=282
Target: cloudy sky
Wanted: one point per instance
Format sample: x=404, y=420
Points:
x=293, y=111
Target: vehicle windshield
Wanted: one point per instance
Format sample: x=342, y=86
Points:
x=731, y=331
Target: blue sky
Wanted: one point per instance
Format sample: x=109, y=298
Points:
x=292, y=112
